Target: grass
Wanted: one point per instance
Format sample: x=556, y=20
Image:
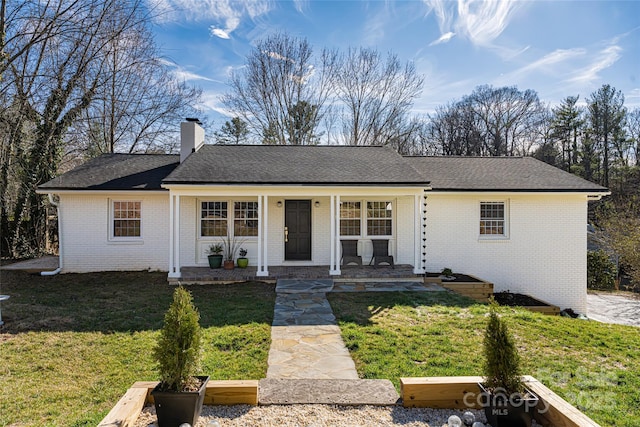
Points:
x=594, y=366
x=73, y=344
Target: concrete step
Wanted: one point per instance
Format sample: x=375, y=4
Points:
x=279, y=391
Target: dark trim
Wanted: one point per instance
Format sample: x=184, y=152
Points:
x=303, y=184
x=521, y=190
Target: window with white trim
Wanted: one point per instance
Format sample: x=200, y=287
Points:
x=350, y=218
x=493, y=219
x=213, y=219
x=126, y=216
x=379, y=218
x=245, y=222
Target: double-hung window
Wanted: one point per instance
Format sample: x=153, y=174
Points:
x=213, y=219
x=379, y=219
x=350, y=218
x=126, y=217
x=493, y=219
x=245, y=222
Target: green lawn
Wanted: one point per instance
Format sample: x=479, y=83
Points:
x=594, y=366
x=73, y=344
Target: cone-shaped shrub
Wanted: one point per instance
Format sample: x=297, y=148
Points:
x=502, y=362
x=178, y=349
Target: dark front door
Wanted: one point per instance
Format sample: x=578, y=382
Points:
x=297, y=222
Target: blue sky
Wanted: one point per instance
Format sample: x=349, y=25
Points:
x=557, y=48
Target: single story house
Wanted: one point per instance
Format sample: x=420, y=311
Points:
x=514, y=221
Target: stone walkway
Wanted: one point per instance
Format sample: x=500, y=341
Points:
x=305, y=338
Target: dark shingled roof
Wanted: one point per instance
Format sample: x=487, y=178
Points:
x=498, y=174
x=311, y=165
x=117, y=172
x=317, y=165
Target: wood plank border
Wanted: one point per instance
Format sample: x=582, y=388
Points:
x=450, y=392
x=231, y=392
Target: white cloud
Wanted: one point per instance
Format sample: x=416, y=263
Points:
x=590, y=72
x=481, y=22
x=443, y=38
x=548, y=63
x=181, y=73
x=219, y=32
x=227, y=14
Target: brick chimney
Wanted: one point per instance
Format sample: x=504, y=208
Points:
x=191, y=137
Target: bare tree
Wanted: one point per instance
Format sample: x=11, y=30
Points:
x=633, y=130
x=281, y=74
x=377, y=95
x=139, y=103
x=508, y=117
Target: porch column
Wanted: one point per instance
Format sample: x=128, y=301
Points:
x=335, y=236
x=171, y=228
x=174, y=216
x=417, y=236
x=263, y=232
x=177, y=234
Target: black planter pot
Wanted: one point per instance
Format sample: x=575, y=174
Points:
x=175, y=408
x=215, y=261
x=504, y=410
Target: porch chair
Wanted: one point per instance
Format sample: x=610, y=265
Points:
x=350, y=252
x=381, y=253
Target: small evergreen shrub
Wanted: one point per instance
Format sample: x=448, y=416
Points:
x=502, y=362
x=601, y=271
x=178, y=350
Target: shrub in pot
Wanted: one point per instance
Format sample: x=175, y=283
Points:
x=506, y=400
x=179, y=396
x=215, y=255
x=243, y=261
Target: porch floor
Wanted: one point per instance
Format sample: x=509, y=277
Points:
x=401, y=272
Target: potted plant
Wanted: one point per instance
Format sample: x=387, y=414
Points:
x=243, y=261
x=447, y=275
x=179, y=395
x=231, y=246
x=215, y=255
x=506, y=400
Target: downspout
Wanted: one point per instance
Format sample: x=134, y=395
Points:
x=59, y=269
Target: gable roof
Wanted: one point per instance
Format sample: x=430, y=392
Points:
x=117, y=172
x=309, y=165
x=498, y=174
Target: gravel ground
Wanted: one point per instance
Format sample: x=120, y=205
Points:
x=317, y=416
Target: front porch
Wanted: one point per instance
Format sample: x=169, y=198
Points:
x=202, y=275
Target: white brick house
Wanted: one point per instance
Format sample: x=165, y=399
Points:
x=514, y=221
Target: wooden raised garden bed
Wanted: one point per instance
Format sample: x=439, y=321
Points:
x=424, y=392
x=128, y=408
x=464, y=284
x=526, y=301
x=449, y=393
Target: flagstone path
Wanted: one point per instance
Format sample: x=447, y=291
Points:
x=305, y=338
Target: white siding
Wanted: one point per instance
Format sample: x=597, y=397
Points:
x=88, y=247
x=544, y=255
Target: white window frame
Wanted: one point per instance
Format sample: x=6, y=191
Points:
x=359, y=219
x=231, y=218
x=112, y=218
x=364, y=212
x=200, y=219
x=505, y=219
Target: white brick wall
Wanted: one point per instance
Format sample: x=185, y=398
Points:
x=544, y=256
x=87, y=245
